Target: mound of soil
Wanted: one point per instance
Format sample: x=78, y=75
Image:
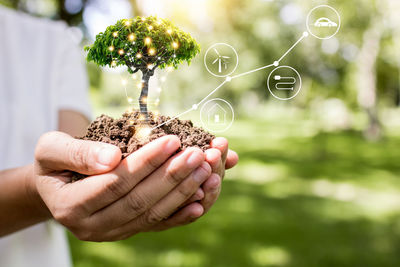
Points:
x=130, y=132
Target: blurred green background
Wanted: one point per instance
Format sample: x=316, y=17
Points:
x=318, y=179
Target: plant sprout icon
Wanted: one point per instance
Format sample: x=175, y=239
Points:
x=222, y=60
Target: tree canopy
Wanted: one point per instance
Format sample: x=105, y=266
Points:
x=142, y=43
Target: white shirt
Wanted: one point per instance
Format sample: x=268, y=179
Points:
x=41, y=71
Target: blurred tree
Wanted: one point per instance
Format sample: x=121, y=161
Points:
x=367, y=78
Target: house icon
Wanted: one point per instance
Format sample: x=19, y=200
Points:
x=216, y=115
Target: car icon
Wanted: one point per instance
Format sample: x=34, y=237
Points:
x=325, y=22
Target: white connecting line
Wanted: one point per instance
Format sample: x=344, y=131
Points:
x=228, y=79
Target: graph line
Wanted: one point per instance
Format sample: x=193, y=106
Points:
x=251, y=71
x=212, y=92
x=305, y=34
x=228, y=79
x=183, y=113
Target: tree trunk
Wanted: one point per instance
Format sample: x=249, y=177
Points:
x=144, y=94
x=366, y=79
x=136, y=9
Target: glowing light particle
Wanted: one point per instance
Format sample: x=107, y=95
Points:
x=140, y=85
x=115, y=34
x=143, y=133
x=169, y=31
x=152, y=51
x=111, y=48
x=113, y=63
x=124, y=82
x=131, y=37
x=128, y=23
x=130, y=100
x=150, y=66
x=142, y=117
x=121, y=52
x=139, y=55
x=175, y=45
x=150, y=28
x=147, y=40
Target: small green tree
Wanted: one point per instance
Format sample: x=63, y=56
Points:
x=143, y=44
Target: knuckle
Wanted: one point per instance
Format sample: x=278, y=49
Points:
x=136, y=203
x=173, y=176
x=152, y=217
x=65, y=216
x=78, y=153
x=186, y=191
x=151, y=162
x=42, y=144
x=70, y=215
x=116, y=186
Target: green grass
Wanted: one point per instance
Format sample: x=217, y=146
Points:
x=297, y=198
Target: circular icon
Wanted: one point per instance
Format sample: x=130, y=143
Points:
x=221, y=59
x=323, y=22
x=284, y=83
x=217, y=115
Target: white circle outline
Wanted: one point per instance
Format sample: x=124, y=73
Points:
x=205, y=61
x=230, y=124
x=281, y=98
x=308, y=20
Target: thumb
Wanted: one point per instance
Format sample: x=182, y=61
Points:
x=58, y=151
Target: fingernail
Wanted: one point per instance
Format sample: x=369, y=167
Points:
x=105, y=155
x=194, y=158
x=202, y=173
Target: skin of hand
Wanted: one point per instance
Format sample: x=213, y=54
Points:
x=220, y=158
x=119, y=198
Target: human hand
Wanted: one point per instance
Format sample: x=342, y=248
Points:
x=220, y=158
x=119, y=198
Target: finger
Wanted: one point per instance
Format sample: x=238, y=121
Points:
x=167, y=205
x=212, y=189
x=199, y=195
x=221, y=144
x=57, y=151
x=97, y=192
x=151, y=190
x=232, y=159
x=213, y=157
x=184, y=216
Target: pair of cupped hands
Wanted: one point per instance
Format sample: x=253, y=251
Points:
x=152, y=189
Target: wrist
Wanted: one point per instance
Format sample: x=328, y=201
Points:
x=34, y=200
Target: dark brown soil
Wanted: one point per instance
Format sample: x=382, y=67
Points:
x=127, y=132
